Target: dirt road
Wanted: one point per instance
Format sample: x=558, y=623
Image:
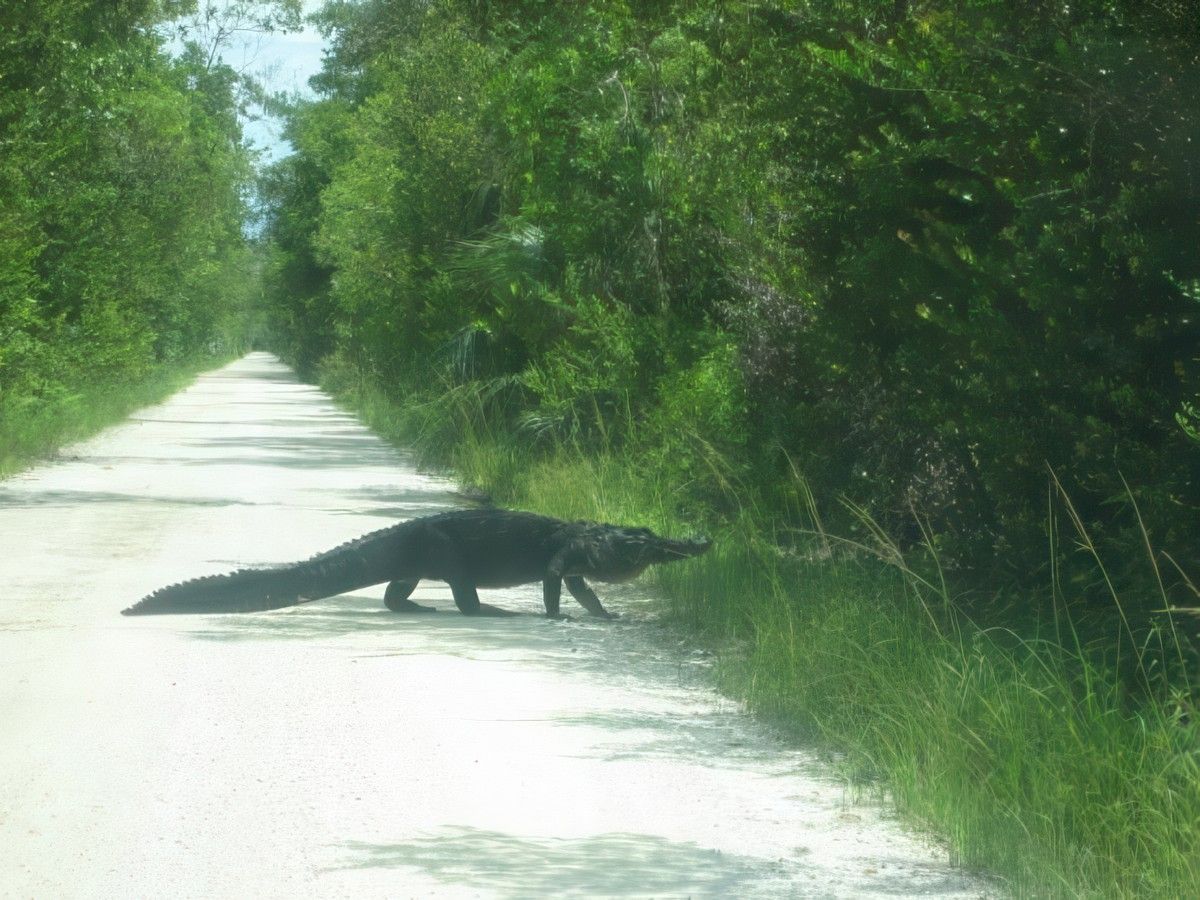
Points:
x=335, y=749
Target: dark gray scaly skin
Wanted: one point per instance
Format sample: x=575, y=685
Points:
x=467, y=549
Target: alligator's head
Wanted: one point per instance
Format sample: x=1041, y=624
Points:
x=620, y=554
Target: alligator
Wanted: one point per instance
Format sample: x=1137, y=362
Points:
x=468, y=549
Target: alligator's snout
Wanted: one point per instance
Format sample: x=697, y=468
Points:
x=685, y=549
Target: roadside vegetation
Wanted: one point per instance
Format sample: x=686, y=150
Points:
x=34, y=427
x=1022, y=744
x=123, y=198
x=897, y=299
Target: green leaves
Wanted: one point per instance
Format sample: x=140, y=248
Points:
x=949, y=245
x=123, y=182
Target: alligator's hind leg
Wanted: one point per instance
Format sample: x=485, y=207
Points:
x=466, y=598
x=396, y=596
x=442, y=556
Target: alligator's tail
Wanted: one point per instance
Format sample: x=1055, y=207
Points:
x=358, y=564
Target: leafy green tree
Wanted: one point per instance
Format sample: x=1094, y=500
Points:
x=124, y=185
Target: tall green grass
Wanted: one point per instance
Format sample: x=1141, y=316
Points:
x=1024, y=753
x=1027, y=753
x=32, y=428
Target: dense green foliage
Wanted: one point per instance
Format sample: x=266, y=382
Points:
x=925, y=253
x=122, y=199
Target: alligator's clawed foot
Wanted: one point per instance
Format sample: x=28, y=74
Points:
x=407, y=606
x=486, y=609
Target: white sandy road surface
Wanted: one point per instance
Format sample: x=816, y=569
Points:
x=338, y=750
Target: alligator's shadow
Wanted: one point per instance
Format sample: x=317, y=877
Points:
x=617, y=864
x=668, y=719
x=351, y=614
x=627, y=644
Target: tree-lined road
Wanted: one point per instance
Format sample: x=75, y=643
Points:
x=336, y=749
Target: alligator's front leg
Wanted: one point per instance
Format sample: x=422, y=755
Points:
x=551, y=591
x=587, y=598
x=552, y=583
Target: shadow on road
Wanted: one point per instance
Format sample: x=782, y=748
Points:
x=597, y=866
